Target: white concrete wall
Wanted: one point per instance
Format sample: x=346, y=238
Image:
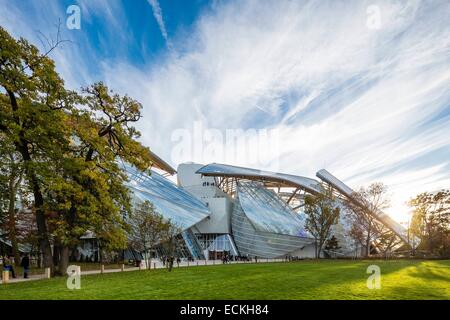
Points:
x=219, y=221
x=217, y=201
x=193, y=182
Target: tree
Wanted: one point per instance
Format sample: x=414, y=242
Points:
x=146, y=231
x=322, y=212
x=431, y=221
x=171, y=241
x=69, y=145
x=11, y=169
x=33, y=105
x=369, y=202
x=89, y=192
x=332, y=244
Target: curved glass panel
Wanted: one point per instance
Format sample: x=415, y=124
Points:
x=251, y=242
x=227, y=170
x=268, y=212
x=169, y=200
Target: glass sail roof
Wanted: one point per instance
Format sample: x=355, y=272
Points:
x=216, y=169
x=170, y=200
x=380, y=216
x=267, y=212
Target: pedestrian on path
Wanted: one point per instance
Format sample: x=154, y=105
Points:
x=7, y=266
x=25, y=264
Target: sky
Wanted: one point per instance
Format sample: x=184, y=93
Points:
x=360, y=88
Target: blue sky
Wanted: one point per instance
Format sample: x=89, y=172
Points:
x=368, y=104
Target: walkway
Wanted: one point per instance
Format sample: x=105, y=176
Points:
x=155, y=264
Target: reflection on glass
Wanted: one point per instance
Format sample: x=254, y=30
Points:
x=268, y=212
x=169, y=200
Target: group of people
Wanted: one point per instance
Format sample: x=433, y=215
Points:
x=291, y=258
x=169, y=260
x=8, y=265
x=227, y=258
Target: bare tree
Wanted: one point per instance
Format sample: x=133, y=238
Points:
x=362, y=213
x=171, y=241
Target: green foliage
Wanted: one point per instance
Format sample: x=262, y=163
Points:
x=332, y=244
x=34, y=109
x=431, y=221
x=70, y=144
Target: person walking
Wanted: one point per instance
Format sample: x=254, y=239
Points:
x=7, y=265
x=170, y=261
x=25, y=264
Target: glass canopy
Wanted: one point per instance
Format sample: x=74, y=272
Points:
x=169, y=200
x=216, y=169
x=268, y=212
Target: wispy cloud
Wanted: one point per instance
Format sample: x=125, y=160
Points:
x=157, y=13
x=360, y=102
x=368, y=105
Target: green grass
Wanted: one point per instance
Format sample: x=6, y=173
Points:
x=400, y=279
x=85, y=266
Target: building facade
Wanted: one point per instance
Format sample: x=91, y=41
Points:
x=244, y=212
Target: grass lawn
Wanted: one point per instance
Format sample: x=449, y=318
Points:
x=84, y=266
x=328, y=279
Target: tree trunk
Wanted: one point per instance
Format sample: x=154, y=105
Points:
x=64, y=260
x=319, y=249
x=315, y=249
x=367, y=246
x=39, y=260
x=43, y=238
x=12, y=225
x=22, y=147
x=56, y=254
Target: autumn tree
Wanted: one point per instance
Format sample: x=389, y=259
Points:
x=33, y=102
x=70, y=146
x=11, y=171
x=94, y=196
x=362, y=211
x=322, y=212
x=431, y=221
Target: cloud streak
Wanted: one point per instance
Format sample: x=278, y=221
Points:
x=157, y=13
x=368, y=105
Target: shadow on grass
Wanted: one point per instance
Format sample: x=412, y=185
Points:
x=436, y=271
x=295, y=280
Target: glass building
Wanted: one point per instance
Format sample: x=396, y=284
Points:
x=172, y=202
x=232, y=211
x=263, y=225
